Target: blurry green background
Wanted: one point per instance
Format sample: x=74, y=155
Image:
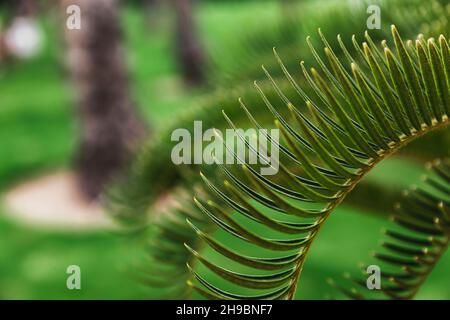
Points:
x=37, y=133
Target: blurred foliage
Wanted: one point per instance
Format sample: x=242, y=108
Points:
x=33, y=263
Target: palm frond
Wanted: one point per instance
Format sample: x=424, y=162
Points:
x=361, y=112
x=153, y=174
x=416, y=242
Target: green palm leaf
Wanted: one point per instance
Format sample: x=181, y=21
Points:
x=357, y=116
x=420, y=237
x=153, y=175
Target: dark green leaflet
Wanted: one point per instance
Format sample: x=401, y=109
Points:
x=424, y=217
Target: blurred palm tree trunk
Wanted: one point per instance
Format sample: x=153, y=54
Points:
x=25, y=8
x=153, y=8
x=189, y=51
x=110, y=128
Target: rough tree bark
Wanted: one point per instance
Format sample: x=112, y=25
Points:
x=110, y=129
x=189, y=52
